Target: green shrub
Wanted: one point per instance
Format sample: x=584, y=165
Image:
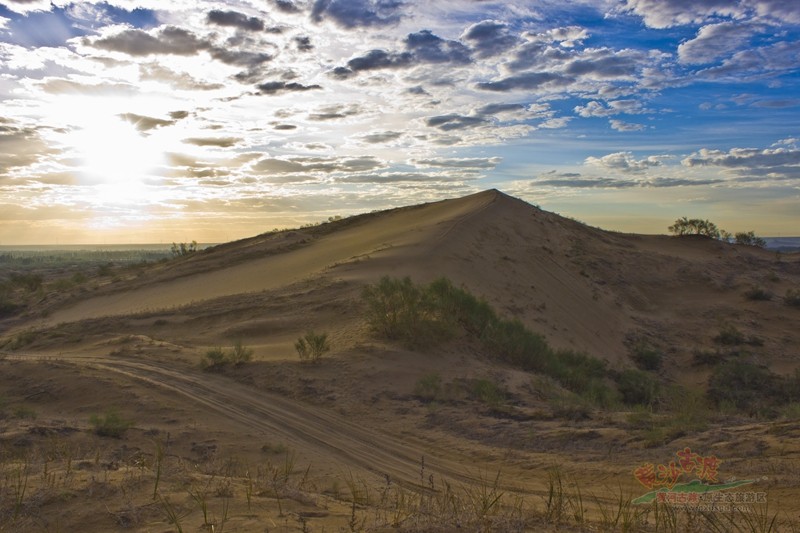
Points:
x=647, y=357
x=744, y=386
x=420, y=316
x=792, y=298
x=749, y=238
x=110, y=425
x=637, y=387
x=429, y=387
x=215, y=359
x=240, y=354
x=758, y=294
x=488, y=392
x=312, y=346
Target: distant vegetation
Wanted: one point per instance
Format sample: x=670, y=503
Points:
x=706, y=228
x=183, y=249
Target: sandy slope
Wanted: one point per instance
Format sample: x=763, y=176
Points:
x=584, y=288
x=403, y=228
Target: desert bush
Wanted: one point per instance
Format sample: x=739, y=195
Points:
x=424, y=315
x=729, y=335
x=240, y=354
x=216, y=358
x=29, y=281
x=646, y=356
x=792, y=298
x=744, y=386
x=400, y=310
x=428, y=388
x=758, y=294
x=312, y=346
x=695, y=226
x=637, y=387
x=488, y=392
x=749, y=239
x=112, y=424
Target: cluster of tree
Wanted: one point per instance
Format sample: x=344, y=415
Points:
x=706, y=228
x=182, y=249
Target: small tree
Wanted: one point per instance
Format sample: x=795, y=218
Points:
x=750, y=239
x=312, y=346
x=695, y=226
x=112, y=424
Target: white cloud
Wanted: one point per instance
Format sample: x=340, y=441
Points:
x=625, y=162
x=713, y=42
x=619, y=125
x=667, y=13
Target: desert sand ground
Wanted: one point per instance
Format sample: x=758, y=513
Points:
x=348, y=444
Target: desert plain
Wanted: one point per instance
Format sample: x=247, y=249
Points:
x=171, y=395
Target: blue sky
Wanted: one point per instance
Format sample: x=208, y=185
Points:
x=146, y=121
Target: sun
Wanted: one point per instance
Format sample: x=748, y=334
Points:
x=113, y=155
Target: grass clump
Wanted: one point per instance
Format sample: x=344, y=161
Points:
x=217, y=358
x=112, y=424
x=312, y=346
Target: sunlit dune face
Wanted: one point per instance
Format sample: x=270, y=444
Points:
x=111, y=152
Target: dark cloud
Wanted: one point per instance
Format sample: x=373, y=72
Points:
x=494, y=109
x=455, y=122
x=429, y=48
x=484, y=163
x=179, y=80
x=220, y=142
x=20, y=146
x=134, y=42
x=358, y=13
x=382, y=137
x=377, y=59
x=236, y=20
x=610, y=66
x=171, y=40
x=276, y=87
x=422, y=47
x=527, y=81
x=145, y=123
x=241, y=58
x=285, y=127
x=303, y=43
x=317, y=164
x=418, y=90
x=490, y=38
x=335, y=112
x=178, y=115
x=286, y=6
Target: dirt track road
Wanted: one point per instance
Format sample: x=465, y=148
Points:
x=320, y=434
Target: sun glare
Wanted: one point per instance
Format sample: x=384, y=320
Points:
x=114, y=156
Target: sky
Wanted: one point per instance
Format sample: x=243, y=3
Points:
x=144, y=121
